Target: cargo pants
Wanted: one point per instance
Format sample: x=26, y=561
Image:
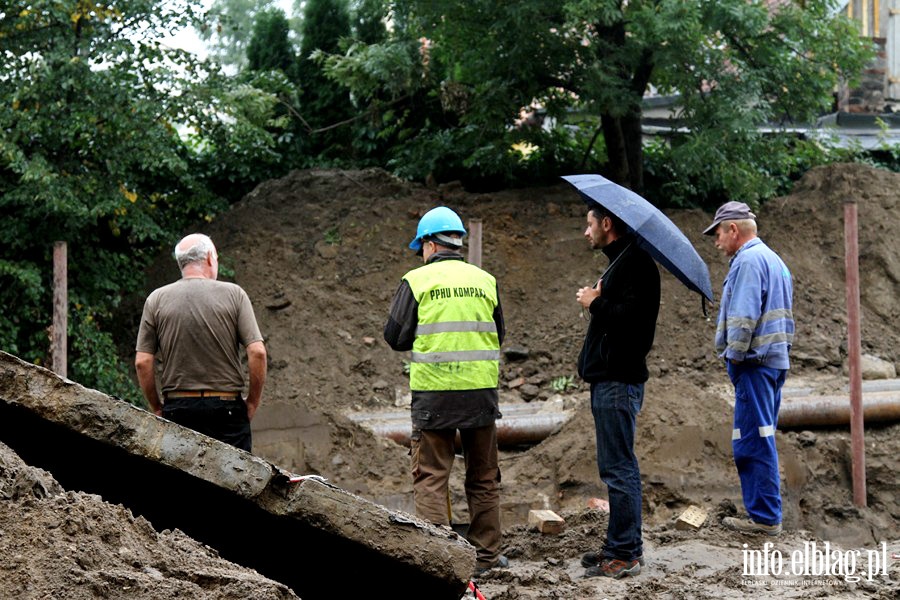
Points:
x=432, y=452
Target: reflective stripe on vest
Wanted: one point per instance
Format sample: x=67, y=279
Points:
x=455, y=326
x=456, y=345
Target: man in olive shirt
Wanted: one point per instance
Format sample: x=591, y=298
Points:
x=196, y=327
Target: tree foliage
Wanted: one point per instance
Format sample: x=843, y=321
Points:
x=227, y=28
x=735, y=65
x=323, y=103
x=91, y=107
x=368, y=20
x=269, y=47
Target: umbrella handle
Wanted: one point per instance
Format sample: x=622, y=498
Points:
x=586, y=315
x=615, y=260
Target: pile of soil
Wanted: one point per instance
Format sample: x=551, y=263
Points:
x=65, y=544
x=321, y=252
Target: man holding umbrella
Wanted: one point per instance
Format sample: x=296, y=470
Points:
x=754, y=334
x=622, y=307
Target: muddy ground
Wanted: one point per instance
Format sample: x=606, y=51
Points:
x=320, y=253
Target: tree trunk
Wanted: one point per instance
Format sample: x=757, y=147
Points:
x=634, y=151
x=616, y=156
x=623, y=149
x=622, y=134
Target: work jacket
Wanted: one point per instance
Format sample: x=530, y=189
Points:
x=623, y=317
x=448, y=313
x=756, y=321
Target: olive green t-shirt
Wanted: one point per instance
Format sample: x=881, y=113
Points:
x=196, y=327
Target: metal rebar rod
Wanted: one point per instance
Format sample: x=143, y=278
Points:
x=854, y=350
x=60, y=328
x=475, y=242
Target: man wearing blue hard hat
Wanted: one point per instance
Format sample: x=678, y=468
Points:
x=448, y=314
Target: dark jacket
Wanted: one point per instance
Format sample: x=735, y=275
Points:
x=623, y=317
x=446, y=409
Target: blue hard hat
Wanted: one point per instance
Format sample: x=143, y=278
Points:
x=437, y=220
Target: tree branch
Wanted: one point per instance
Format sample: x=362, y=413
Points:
x=748, y=56
x=369, y=111
x=590, y=147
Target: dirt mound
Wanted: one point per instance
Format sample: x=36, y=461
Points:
x=320, y=253
x=59, y=544
x=808, y=229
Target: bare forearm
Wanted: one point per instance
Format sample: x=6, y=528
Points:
x=143, y=366
x=256, y=361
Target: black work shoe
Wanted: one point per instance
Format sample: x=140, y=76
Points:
x=750, y=526
x=614, y=568
x=500, y=563
x=592, y=559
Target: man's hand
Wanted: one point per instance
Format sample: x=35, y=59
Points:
x=586, y=295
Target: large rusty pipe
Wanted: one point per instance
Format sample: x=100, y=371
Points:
x=872, y=385
x=517, y=427
x=816, y=411
x=854, y=351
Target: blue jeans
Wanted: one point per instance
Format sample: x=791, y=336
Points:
x=757, y=398
x=615, y=407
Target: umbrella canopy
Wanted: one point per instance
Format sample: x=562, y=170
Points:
x=655, y=233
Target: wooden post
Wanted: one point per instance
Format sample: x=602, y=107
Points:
x=59, y=337
x=854, y=351
x=475, y=242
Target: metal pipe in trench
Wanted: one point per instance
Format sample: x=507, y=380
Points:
x=524, y=424
x=517, y=427
x=815, y=411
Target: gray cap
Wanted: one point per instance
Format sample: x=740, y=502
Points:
x=730, y=211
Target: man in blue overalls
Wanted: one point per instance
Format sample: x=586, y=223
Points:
x=754, y=334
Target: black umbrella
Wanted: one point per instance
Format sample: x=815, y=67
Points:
x=654, y=231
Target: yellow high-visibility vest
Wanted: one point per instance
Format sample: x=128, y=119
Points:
x=456, y=345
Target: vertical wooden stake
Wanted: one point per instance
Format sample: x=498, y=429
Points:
x=59, y=338
x=475, y=242
x=854, y=351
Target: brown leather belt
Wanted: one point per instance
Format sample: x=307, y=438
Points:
x=203, y=394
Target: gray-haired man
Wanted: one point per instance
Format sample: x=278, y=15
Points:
x=754, y=335
x=196, y=327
